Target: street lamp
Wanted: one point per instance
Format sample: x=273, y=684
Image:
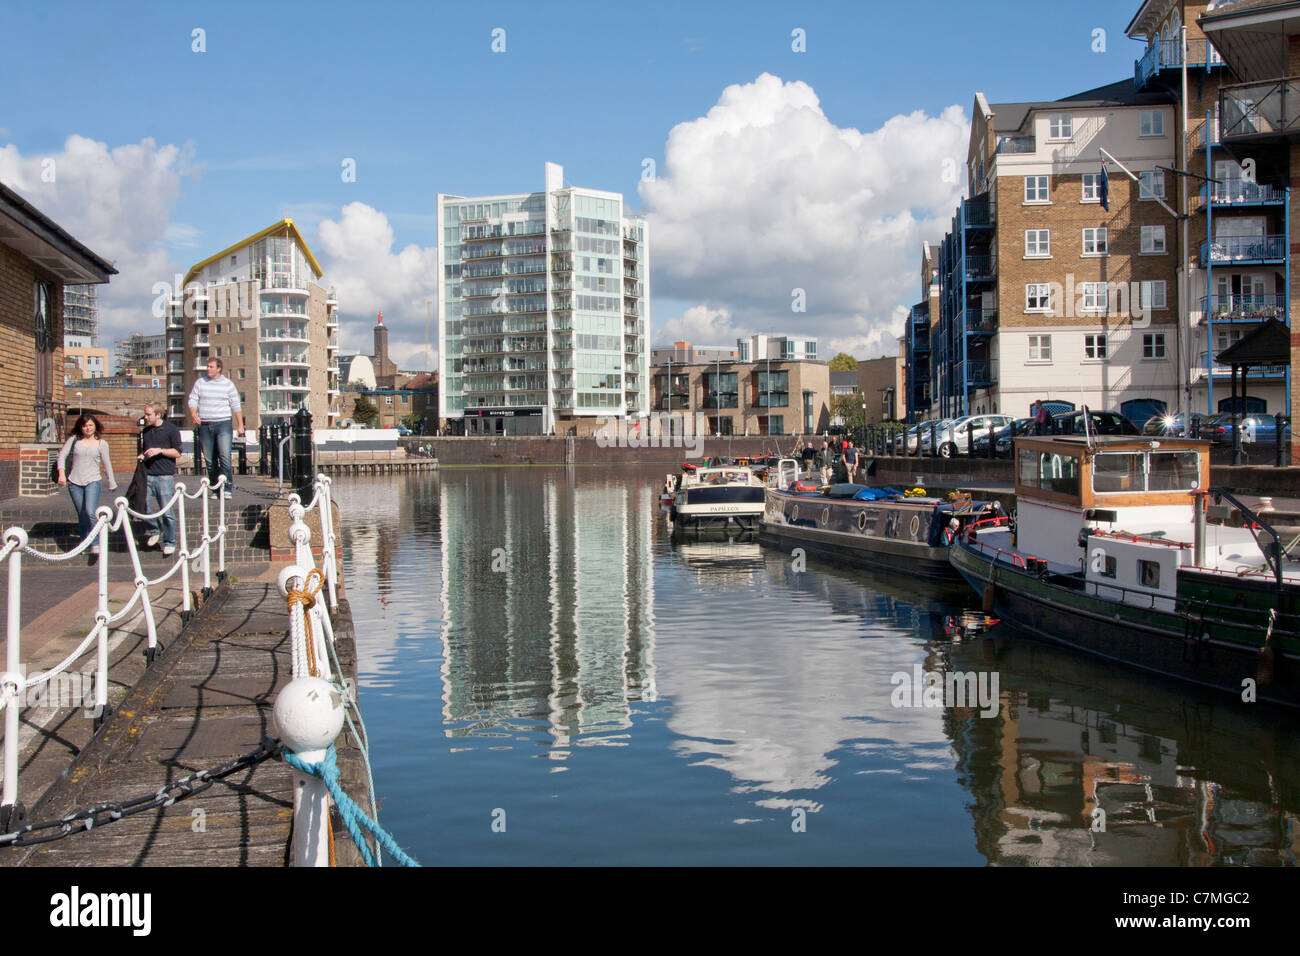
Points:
x=717, y=393
x=79, y=406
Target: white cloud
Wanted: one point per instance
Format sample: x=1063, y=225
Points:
x=356, y=253
x=765, y=195
x=701, y=326
x=116, y=202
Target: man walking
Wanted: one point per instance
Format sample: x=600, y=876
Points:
x=213, y=401
x=161, y=441
x=851, y=461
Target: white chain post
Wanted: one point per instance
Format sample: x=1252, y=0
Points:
x=207, y=550
x=11, y=682
x=182, y=539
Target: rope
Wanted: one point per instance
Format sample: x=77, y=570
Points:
x=354, y=818
x=306, y=598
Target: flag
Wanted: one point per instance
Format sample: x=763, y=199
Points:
x=1103, y=191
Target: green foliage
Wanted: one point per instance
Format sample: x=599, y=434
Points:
x=844, y=362
x=364, y=411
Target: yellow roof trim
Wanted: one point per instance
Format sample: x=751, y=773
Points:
x=269, y=230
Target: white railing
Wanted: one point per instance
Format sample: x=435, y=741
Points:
x=15, y=685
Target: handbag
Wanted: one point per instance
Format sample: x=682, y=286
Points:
x=54, y=468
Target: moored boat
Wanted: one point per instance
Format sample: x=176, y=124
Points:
x=1111, y=553
x=718, y=497
x=879, y=528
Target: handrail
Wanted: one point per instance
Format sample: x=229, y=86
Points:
x=15, y=684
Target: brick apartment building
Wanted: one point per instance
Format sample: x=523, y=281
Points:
x=37, y=258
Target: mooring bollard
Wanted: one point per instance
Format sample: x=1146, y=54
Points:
x=309, y=718
x=934, y=447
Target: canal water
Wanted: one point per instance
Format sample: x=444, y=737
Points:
x=549, y=677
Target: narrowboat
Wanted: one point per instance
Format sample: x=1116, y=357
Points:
x=883, y=529
x=1111, y=553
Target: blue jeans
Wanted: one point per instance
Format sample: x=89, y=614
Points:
x=161, y=488
x=85, y=499
x=213, y=439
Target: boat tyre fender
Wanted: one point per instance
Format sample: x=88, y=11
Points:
x=989, y=597
x=1266, y=666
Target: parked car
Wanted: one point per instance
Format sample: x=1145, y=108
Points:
x=1171, y=425
x=1002, y=438
x=928, y=432
x=1099, y=423
x=906, y=442
x=404, y=431
x=955, y=437
x=1255, y=428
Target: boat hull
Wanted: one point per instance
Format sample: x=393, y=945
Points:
x=880, y=535
x=1157, y=641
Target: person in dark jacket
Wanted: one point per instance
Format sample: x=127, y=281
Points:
x=161, y=441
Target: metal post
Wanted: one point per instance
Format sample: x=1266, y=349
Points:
x=302, y=454
x=992, y=452
x=11, y=811
x=934, y=448
x=1236, y=416
x=1209, y=272
x=243, y=455
x=1277, y=441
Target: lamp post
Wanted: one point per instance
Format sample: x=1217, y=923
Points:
x=769, y=393
x=79, y=406
x=717, y=393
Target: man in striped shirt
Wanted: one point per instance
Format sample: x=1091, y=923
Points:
x=213, y=401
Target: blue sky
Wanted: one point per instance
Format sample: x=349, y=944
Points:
x=262, y=120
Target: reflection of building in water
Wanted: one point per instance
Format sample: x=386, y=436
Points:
x=771, y=700
x=1169, y=792
x=547, y=596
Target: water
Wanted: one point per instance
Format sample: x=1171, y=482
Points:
x=549, y=678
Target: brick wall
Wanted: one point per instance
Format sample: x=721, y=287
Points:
x=18, y=277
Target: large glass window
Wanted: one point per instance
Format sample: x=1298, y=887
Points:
x=1028, y=473
x=1145, y=471
x=1059, y=473
x=721, y=390
x=773, y=389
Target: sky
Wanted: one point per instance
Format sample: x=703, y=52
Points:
x=784, y=154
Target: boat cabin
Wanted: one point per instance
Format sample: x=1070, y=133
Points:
x=1068, y=482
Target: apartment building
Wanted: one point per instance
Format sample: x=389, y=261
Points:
x=1043, y=291
x=922, y=326
x=545, y=310
x=771, y=396
x=80, y=316
x=1241, y=69
x=757, y=347
x=684, y=353
x=259, y=306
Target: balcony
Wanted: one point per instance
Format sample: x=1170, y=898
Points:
x=1168, y=54
x=290, y=385
x=1206, y=131
x=975, y=213
x=201, y=339
x=1245, y=308
x=1242, y=192
x=1244, y=249
x=279, y=282
x=977, y=374
x=284, y=335
x=1017, y=144
x=1254, y=372
x=1260, y=110
x=175, y=345
x=177, y=368
x=981, y=321
x=284, y=359
x=978, y=268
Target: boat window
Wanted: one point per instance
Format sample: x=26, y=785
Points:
x=1149, y=574
x=1173, y=471
x=1029, y=469
x=1059, y=473
x=1117, y=471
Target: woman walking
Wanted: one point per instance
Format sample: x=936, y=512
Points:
x=89, y=453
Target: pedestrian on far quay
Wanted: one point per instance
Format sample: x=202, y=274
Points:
x=214, y=401
x=851, y=461
x=161, y=441
x=84, y=475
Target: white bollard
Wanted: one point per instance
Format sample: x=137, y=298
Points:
x=308, y=718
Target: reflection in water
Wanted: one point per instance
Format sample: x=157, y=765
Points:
x=717, y=678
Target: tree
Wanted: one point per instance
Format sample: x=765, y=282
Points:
x=844, y=362
x=848, y=409
x=364, y=411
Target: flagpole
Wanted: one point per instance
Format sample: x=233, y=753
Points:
x=1185, y=307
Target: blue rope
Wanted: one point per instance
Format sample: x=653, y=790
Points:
x=354, y=818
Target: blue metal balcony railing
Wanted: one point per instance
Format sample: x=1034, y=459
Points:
x=1211, y=128
x=975, y=212
x=1244, y=249
x=978, y=374
x=981, y=320
x=979, y=267
x=1168, y=54
x=1259, y=109
x=1241, y=192
x=1254, y=371
x=1256, y=308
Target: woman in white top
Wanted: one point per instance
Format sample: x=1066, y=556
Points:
x=89, y=454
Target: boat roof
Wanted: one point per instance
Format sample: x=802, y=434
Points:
x=1112, y=442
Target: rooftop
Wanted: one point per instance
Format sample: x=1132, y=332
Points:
x=1011, y=117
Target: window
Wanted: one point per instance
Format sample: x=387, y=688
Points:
x=1036, y=189
x=1153, y=345
x=1151, y=184
x=1149, y=574
x=773, y=390
x=1153, y=294
x=1153, y=239
x=241, y=373
x=1091, y=187
x=1037, y=243
x=1109, y=567
x=241, y=350
x=388, y=399
x=1060, y=127
x=1040, y=348
x=1094, y=242
x=1093, y=296
x=1153, y=123
x=233, y=260
x=1094, y=346
x=1038, y=297
x=218, y=351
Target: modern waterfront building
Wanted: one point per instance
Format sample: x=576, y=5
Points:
x=771, y=396
x=684, y=352
x=80, y=317
x=259, y=306
x=1241, y=60
x=545, y=310
x=922, y=322
x=1042, y=291
x=764, y=346
x=84, y=362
